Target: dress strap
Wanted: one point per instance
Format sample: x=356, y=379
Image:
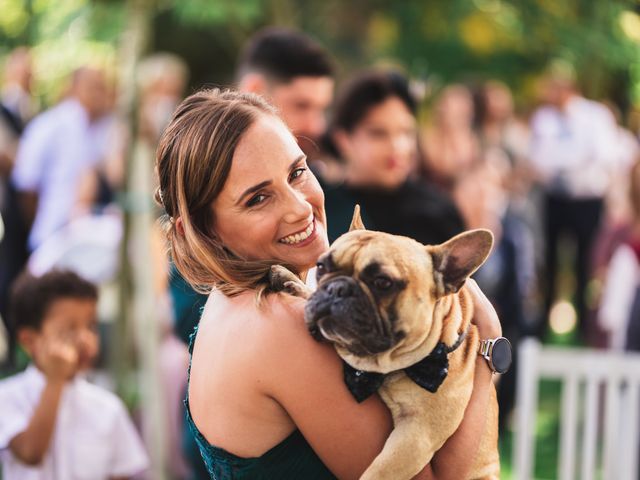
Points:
x=192, y=339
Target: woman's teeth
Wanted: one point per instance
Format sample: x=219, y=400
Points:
x=298, y=237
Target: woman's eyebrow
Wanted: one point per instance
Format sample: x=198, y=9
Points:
x=253, y=189
x=301, y=158
x=266, y=183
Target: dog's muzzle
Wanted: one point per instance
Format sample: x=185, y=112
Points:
x=343, y=313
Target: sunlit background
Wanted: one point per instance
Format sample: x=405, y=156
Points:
x=435, y=42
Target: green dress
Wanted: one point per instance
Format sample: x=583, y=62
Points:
x=291, y=459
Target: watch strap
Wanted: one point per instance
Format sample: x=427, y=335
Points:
x=485, y=347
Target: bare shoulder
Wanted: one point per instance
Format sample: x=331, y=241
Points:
x=285, y=331
x=283, y=310
x=268, y=329
x=281, y=303
x=288, y=351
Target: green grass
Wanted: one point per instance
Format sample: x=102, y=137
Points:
x=547, y=435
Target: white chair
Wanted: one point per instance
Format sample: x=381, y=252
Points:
x=587, y=420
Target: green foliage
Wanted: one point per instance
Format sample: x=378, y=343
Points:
x=438, y=41
x=514, y=40
x=63, y=34
x=14, y=21
x=210, y=13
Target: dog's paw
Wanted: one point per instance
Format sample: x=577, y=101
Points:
x=278, y=276
x=283, y=280
x=296, y=288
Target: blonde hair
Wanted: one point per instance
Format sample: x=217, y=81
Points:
x=193, y=162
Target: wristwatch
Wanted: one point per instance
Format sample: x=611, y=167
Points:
x=498, y=353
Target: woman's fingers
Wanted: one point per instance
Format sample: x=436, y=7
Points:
x=484, y=315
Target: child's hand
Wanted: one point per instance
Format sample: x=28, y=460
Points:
x=57, y=357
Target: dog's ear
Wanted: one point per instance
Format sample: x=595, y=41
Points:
x=356, y=221
x=455, y=260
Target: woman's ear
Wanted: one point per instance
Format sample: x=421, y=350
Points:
x=254, y=83
x=180, y=226
x=342, y=142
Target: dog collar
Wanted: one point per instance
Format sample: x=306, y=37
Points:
x=428, y=373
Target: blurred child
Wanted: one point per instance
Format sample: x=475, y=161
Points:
x=53, y=423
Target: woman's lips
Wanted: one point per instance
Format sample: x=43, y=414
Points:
x=301, y=238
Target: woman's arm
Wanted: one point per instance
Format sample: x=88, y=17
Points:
x=455, y=458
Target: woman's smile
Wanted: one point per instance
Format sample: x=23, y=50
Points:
x=302, y=237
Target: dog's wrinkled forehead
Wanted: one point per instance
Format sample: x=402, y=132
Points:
x=363, y=250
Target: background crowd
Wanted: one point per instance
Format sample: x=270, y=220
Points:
x=553, y=171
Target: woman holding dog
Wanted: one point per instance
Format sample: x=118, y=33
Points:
x=265, y=399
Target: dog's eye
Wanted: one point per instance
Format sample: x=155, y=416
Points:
x=320, y=269
x=382, y=283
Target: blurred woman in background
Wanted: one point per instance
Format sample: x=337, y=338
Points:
x=450, y=144
x=374, y=134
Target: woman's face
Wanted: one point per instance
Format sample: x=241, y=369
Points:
x=499, y=102
x=455, y=108
x=381, y=150
x=271, y=206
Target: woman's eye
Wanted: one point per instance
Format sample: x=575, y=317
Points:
x=382, y=283
x=256, y=199
x=297, y=173
x=410, y=133
x=377, y=134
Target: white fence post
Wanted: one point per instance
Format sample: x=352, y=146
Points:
x=568, y=429
x=527, y=400
x=590, y=430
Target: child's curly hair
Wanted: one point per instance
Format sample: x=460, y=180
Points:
x=31, y=296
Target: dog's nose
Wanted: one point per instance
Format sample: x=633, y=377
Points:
x=340, y=288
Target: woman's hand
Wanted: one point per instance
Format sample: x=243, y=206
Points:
x=484, y=315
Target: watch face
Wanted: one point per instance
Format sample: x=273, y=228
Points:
x=501, y=355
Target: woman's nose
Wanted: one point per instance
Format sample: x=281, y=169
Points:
x=315, y=124
x=402, y=144
x=298, y=208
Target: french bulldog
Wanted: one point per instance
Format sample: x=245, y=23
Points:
x=398, y=314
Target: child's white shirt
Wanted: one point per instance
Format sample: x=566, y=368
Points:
x=94, y=437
